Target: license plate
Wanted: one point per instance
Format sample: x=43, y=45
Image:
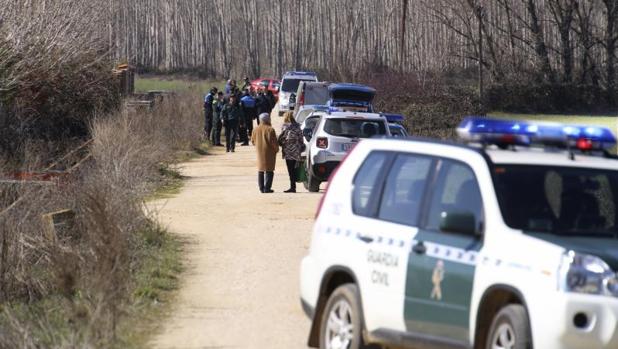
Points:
x=347, y=146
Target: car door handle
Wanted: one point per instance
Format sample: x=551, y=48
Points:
x=419, y=248
x=366, y=239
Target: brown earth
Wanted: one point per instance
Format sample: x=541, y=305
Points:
x=241, y=284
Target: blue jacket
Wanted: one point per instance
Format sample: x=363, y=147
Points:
x=248, y=101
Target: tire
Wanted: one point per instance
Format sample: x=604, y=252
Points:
x=510, y=329
x=312, y=184
x=342, y=308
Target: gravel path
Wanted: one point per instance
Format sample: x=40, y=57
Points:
x=240, y=289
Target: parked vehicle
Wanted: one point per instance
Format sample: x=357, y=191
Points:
x=265, y=84
x=397, y=130
x=333, y=136
x=351, y=97
x=394, y=124
x=508, y=241
x=303, y=112
x=311, y=93
x=289, y=86
x=308, y=127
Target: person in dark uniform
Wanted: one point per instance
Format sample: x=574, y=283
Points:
x=218, y=104
x=208, y=112
x=232, y=114
x=249, y=108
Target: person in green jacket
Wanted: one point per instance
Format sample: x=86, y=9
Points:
x=232, y=114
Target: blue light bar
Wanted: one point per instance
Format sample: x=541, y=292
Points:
x=394, y=118
x=508, y=132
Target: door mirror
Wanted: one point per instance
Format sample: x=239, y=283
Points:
x=308, y=133
x=459, y=223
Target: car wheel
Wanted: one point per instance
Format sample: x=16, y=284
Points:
x=510, y=329
x=312, y=184
x=341, y=325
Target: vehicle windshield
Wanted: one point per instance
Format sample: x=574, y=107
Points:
x=558, y=200
x=291, y=85
x=354, y=128
x=396, y=131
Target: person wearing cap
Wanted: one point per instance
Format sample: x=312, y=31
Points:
x=232, y=114
x=264, y=138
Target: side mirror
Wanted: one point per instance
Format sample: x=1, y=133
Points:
x=459, y=223
x=308, y=133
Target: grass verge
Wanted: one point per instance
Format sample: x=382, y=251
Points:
x=175, y=83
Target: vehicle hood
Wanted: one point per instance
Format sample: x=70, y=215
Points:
x=602, y=247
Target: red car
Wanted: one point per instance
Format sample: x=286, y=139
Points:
x=266, y=84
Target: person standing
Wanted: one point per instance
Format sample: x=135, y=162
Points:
x=291, y=141
x=231, y=115
x=264, y=138
x=218, y=104
x=272, y=101
x=262, y=104
x=248, y=105
x=208, y=112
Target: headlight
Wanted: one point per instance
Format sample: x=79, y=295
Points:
x=580, y=273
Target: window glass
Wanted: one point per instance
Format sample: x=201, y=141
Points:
x=354, y=128
x=403, y=193
x=365, y=184
x=456, y=191
x=558, y=200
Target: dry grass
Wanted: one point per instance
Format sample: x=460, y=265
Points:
x=87, y=274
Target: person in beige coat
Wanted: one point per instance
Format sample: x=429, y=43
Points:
x=264, y=138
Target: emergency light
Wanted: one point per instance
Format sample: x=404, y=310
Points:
x=393, y=118
x=525, y=133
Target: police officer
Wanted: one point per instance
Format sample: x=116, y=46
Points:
x=208, y=111
x=262, y=103
x=249, y=108
x=217, y=106
x=232, y=114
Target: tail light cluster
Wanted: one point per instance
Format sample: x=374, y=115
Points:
x=330, y=179
x=322, y=142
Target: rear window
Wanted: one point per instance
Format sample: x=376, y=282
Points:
x=316, y=94
x=291, y=85
x=354, y=128
x=350, y=95
x=265, y=83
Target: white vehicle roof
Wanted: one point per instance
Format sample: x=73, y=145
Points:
x=352, y=115
x=519, y=156
x=549, y=157
x=300, y=75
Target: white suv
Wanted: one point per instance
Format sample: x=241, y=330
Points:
x=503, y=244
x=289, y=86
x=333, y=137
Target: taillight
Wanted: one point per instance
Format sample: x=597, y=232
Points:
x=301, y=101
x=322, y=142
x=584, y=144
x=330, y=179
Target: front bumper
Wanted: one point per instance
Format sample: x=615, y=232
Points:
x=554, y=320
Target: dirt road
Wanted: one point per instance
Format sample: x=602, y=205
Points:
x=240, y=289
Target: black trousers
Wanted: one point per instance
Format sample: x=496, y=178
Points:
x=265, y=181
x=208, y=114
x=292, y=172
x=231, y=128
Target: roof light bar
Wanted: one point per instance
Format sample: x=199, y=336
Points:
x=525, y=133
